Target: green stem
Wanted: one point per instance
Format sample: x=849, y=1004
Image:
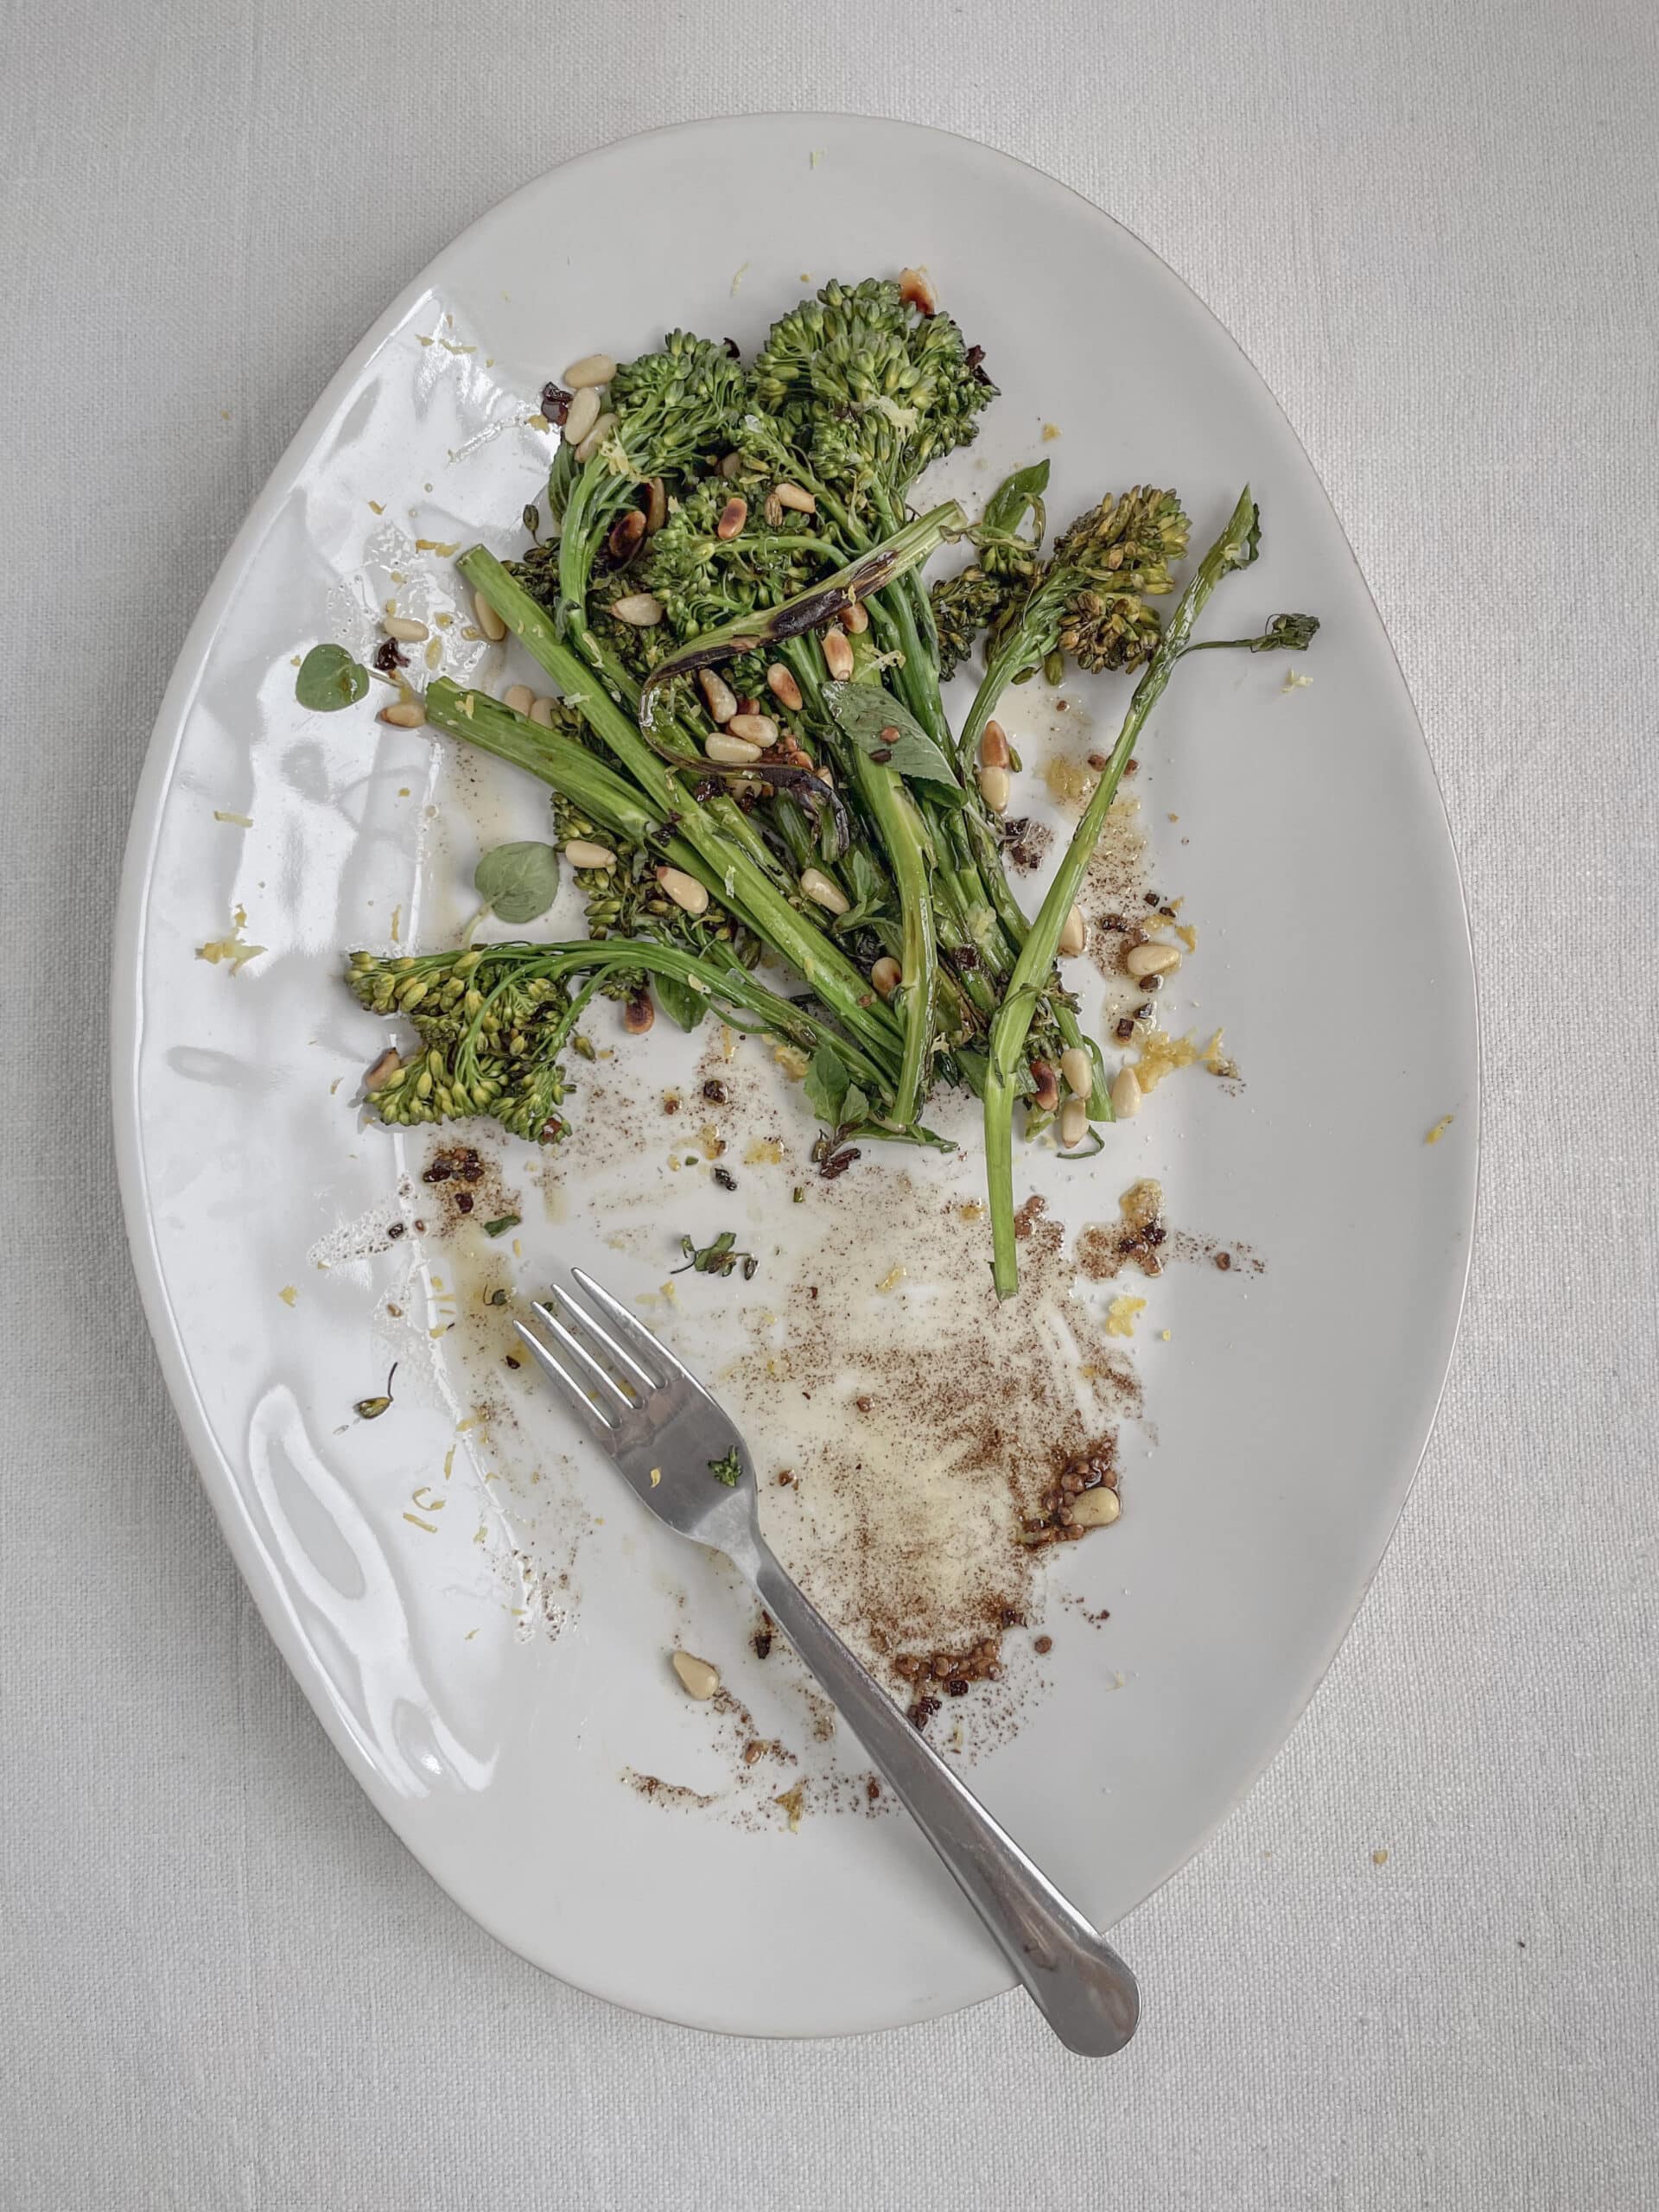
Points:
x=744, y=885
x=1233, y=548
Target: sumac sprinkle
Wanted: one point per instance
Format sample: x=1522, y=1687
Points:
x=1223, y=1260
x=1044, y=1643
x=556, y=402
x=760, y=1643
x=966, y=955
x=974, y=357
x=1151, y=982
x=956, y=1687
x=715, y=1091
x=1154, y=1232
x=389, y=655
x=463, y=1202
x=1130, y=767
x=437, y=1173
x=883, y=753
x=1125, y=1028
x=397, y=1229
x=732, y=347
x=1115, y=921
x=923, y=1711
x=839, y=1162
x=724, y=1179
x=1154, y=897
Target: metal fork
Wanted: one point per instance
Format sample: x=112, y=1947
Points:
x=667, y=1436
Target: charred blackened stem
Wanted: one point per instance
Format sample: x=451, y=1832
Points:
x=809, y=610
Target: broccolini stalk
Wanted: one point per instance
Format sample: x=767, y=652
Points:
x=492, y=1020
x=893, y=809
x=1235, y=548
x=744, y=886
x=810, y=609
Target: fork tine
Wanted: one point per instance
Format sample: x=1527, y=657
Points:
x=580, y=1402
x=578, y=1351
x=629, y=1325
x=644, y=1381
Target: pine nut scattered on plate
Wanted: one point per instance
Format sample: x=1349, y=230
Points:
x=1126, y=1093
x=519, y=697
x=684, y=890
x=591, y=369
x=488, y=620
x=698, y=1678
x=816, y=886
x=1074, y=933
x=405, y=629
x=584, y=413
x=1151, y=959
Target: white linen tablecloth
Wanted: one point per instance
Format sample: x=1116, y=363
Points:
x=1436, y=230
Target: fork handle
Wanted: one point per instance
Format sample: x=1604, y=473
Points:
x=1076, y=1981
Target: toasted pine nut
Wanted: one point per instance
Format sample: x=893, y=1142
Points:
x=1078, y=1070
x=855, y=619
x=596, y=438
x=784, y=687
x=592, y=368
x=488, y=620
x=760, y=730
x=1151, y=959
x=697, y=1678
x=541, y=713
x=816, y=886
x=1074, y=933
x=717, y=694
x=656, y=504
x=408, y=714
x=642, y=608
x=404, y=628
x=1074, y=1121
x=1126, y=1093
x=519, y=697
x=837, y=654
x=1047, y=1093
x=626, y=533
x=794, y=495
x=887, y=975
x=995, y=788
x=684, y=890
x=730, y=751
x=994, y=746
x=733, y=516
x=584, y=413
x=915, y=291
x=638, y=1014
x=729, y=467
x=1094, y=1509
x=582, y=854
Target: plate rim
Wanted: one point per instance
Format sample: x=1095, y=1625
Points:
x=214, y=1468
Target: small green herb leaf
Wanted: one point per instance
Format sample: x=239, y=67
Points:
x=877, y=723
x=328, y=679
x=826, y=1085
x=502, y=1224
x=728, y=1470
x=519, y=882
x=679, y=1001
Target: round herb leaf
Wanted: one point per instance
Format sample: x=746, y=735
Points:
x=328, y=679
x=519, y=882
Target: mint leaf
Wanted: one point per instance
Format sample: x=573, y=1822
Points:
x=679, y=1001
x=329, y=679
x=826, y=1085
x=876, y=722
x=519, y=882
